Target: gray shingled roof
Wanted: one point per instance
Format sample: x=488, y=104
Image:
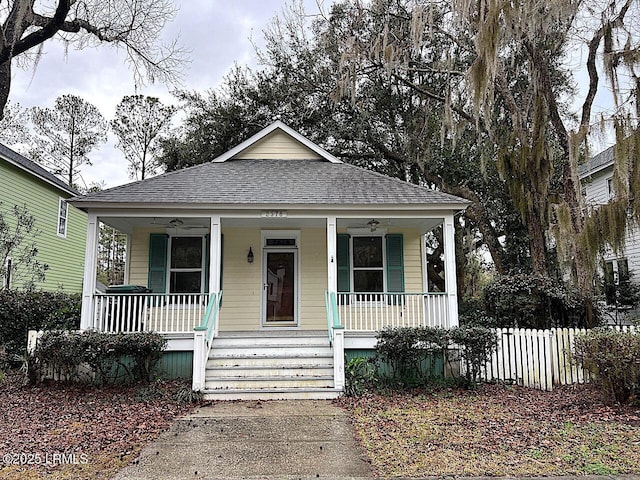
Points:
x=596, y=162
x=35, y=169
x=286, y=182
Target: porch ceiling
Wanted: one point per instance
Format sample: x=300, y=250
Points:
x=184, y=223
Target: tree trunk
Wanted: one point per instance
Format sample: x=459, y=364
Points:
x=5, y=85
x=537, y=244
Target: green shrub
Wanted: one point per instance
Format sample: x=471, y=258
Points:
x=532, y=301
x=614, y=358
x=360, y=376
x=476, y=345
x=410, y=352
x=111, y=357
x=62, y=352
x=21, y=311
x=145, y=350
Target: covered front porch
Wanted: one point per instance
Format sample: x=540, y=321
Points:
x=274, y=269
x=344, y=274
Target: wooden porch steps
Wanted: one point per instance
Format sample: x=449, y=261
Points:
x=270, y=365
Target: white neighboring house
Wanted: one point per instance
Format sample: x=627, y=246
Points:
x=598, y=189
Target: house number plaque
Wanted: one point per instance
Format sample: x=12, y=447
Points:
x=274, y=213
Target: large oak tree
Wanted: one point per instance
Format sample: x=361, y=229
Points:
x=133, y=25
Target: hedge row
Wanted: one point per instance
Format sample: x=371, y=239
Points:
x=110, y=358
x=21, y=311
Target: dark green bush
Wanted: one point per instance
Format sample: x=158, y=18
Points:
x=533, y=301
x=21, y=311
x=614, y=358
x=111, y=357
x=410, y=352
x=475, y=347
x=62, y=352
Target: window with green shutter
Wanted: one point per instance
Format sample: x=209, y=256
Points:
x=184, y=260
x=362, y=267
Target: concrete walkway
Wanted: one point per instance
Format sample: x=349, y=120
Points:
x=305, y=439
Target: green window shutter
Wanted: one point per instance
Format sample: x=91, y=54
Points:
x=157, y=279
x=395, y=263
x=344, y=263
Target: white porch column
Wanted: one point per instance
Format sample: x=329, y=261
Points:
x=215, y=259
x=127, y=259
x=90, y=268
x=332, y=255
x=451, y=285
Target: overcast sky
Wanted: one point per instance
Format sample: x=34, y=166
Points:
x=217, y=32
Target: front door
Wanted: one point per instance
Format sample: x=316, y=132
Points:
x=279, y=293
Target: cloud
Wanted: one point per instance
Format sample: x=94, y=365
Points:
x=217, y=33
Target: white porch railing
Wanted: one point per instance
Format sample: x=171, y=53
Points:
x=375, y=311
x=148, y=312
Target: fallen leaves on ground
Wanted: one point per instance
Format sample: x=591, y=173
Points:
x=497, y=431
x=70, y=431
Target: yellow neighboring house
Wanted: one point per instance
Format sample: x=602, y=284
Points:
x=61, y=227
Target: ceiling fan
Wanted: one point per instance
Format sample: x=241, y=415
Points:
x=176, y=223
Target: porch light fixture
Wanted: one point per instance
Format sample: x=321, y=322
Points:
x=250, y=256
x=373, y=224
x=176, y=222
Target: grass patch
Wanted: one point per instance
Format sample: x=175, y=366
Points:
x=496, y=431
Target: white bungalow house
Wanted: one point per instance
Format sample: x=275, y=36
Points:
x=598, y=188
x=268, y=262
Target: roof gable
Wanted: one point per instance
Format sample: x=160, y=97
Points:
x=277, y=141
x=597, y=163
x=32, y=168
x=277, y=145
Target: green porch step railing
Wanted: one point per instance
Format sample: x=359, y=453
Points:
x=203, y=336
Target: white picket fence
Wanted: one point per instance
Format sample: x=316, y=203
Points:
x=537, y=359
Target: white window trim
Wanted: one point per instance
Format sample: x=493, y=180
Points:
x=610, y=188
x=353, y=233
x=62, y=201
x=202, y=268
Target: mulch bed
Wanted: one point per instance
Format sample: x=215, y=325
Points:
x=73, y=431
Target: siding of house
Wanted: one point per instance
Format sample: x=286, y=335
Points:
x=139, y=255
x=596, y=193
x=596, y=189
x=242, y=281
x=65, y=256
x=277, y=145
